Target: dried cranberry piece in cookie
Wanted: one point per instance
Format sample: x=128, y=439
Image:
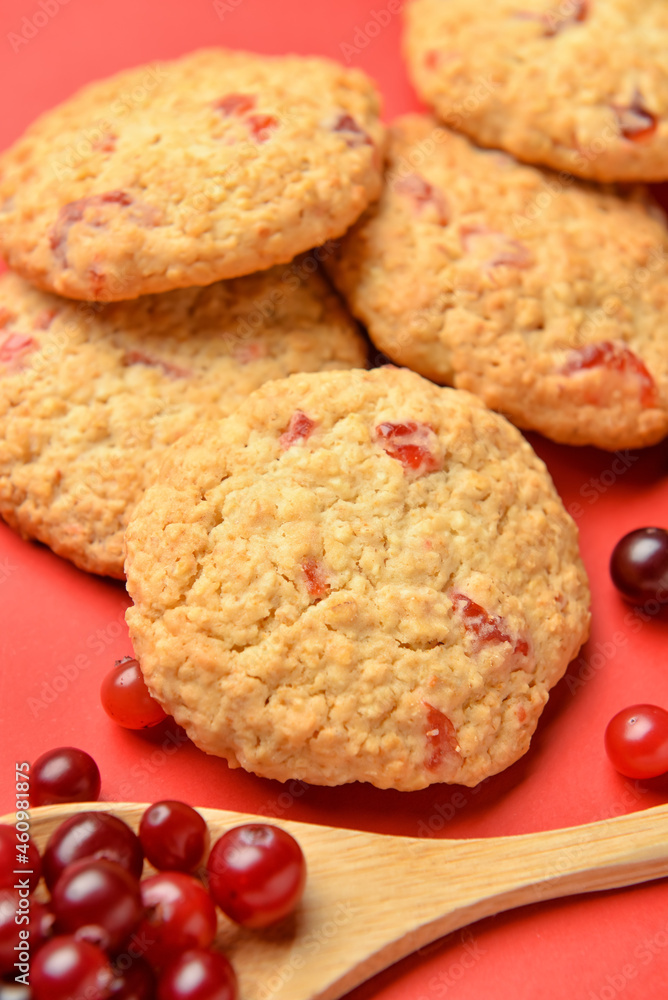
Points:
x=97, y=279
x=74, y=211
x=236, y=104
x=300, y=428
x=262, y=126
x=615, y=357
x=635, y=121
x=354, y=135
x=497, y=247
x=44, y=319
x=483, y=627
x=106, y=143
x=423, y=193
x=316, y=580
x=252, y=351
x=411, y=444
x=14, y=348
x=138, y=358
x=441, y=738
x=555, y=21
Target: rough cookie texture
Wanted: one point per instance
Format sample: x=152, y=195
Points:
x=213, y=166
x=91, y=396
x=577, y=85
x=357, y=576
x=549, y=299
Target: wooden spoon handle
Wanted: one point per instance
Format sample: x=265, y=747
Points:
x=371, y=899
x=420, y=890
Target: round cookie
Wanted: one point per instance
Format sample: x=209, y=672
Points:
x=356, y=576
x=213, y=166
x=545, y=296
x=578, y=85
x=91, y=396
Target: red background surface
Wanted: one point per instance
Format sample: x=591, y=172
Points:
x=61, y=629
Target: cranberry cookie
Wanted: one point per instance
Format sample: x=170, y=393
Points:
x=577, y=85
x=545, y=296
x=90, y=397
x=213, y=166
x=357, y=576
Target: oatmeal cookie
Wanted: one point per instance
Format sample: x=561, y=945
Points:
x=576, y=85
x=91, y=396
x=545, y=296
x=357, y=576
x=215, y=165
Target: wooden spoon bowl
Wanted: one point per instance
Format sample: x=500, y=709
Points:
x=372, y=898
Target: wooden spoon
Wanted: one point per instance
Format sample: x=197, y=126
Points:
x=371, y=899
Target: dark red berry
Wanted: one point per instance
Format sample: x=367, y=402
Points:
x=126, y=699
x=180, y=914
x=92, y=835
x=636, y=741
x=67, y=968
x=639, y=565
x=256, y=874
x=97, y=900
x=198, y=974
x=64, y=775
x=174, y=836
x=136, y=981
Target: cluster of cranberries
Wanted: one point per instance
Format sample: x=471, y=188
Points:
x=107, y=934
x=636, y=739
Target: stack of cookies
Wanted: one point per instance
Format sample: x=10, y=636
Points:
x=337, y=574
x=216, y=166
x=543, y=294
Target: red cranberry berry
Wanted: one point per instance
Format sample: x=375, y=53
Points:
x=66, y=967
x=639, y=565
x=136, y=982
x=636, y=741
x=97, y=900
x=92, y=835
x=174, y=836
x=126, y=698
x=64, y=775
x=256, y=874
x=180, y=914
x=198, y=974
